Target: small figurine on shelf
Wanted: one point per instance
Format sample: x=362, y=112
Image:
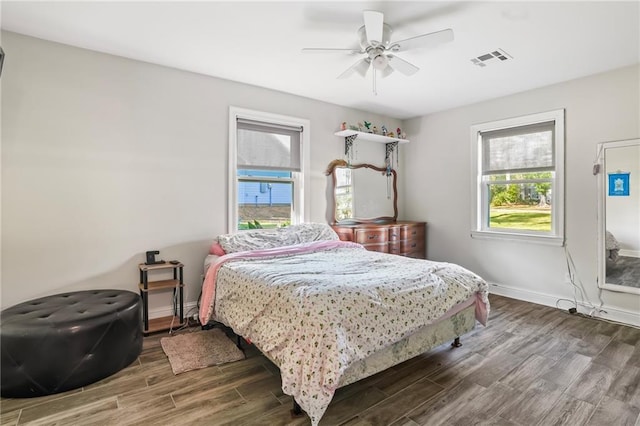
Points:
x=375, y=130
x=343, y=126
x=360, y=126
x=399, y=132
x=384, y=130
x=353, y=127
x=391, y=135
x=367, y=124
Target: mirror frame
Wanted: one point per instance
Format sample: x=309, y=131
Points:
x=381, y=219
x=602, y=213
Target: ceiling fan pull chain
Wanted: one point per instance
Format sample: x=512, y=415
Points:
x=375, y=89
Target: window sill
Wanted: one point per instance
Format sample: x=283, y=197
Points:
x=511, y=236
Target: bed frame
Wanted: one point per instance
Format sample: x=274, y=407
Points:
x=421, y=341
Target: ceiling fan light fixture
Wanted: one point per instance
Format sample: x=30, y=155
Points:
x=380, y=62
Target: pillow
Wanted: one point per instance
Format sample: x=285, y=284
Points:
x=216, y=249
x=258, y=239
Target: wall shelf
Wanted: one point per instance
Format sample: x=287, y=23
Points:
x=350, y=136
x=372, y=137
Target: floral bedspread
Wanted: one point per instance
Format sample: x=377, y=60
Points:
x=317, y=312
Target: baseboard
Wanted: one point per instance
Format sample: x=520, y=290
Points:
x=613, y=314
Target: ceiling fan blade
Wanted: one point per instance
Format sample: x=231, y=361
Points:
x=373, y=26
x=361, y=67
x=402, y=66
x=330, y=49
x=424, y=40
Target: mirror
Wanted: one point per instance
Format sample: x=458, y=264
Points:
x=619, y=216
x=363, y=193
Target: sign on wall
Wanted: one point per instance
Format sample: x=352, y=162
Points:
x=619, y=184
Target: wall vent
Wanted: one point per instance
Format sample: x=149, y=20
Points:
x=498, y=55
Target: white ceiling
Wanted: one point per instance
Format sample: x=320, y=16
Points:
x=260, y=43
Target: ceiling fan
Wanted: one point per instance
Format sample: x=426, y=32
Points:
x=375, y=43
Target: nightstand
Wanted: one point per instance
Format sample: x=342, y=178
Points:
x=147, y=287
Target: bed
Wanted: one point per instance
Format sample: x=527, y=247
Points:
x=328, y=312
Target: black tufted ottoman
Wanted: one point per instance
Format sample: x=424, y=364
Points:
x=65, y=341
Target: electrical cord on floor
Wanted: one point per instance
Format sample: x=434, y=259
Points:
x=578, y=314
x=185, y=326
x=176, y=291
x=571, y=270
x=566, y=300
x=188, y=314
x=193, y=312
x=574, y=310
x=173, y=316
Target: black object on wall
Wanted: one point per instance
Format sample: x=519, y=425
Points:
x=1, y=59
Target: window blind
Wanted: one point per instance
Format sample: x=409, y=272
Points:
x=520, y=149
x=267, y=146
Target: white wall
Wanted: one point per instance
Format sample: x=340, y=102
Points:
x=104, y=158
x=437, y=185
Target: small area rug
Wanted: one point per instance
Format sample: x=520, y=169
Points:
x=191, y=351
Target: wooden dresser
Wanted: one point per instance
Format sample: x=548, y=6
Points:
x=405, y=238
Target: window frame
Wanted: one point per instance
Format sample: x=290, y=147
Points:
x=479, y=188
x=300, y=180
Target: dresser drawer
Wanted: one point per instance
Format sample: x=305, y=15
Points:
x=405, y=238
x=394, y=247
x=383, y=247
x=415, y=232
x=411, y=245
x=371, y=236
x=394, y=233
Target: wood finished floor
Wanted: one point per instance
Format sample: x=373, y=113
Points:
x=533, y=365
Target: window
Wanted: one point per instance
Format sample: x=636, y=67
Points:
x=268, y=157
x=518, y=178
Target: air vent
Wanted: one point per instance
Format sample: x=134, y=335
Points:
x=496, y=56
